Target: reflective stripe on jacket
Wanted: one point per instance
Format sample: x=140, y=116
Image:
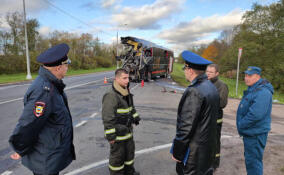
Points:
x=118, y=113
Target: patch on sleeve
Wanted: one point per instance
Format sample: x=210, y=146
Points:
x=39, y=108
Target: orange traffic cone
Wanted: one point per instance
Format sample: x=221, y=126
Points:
x=142, y=83
x=105, y=80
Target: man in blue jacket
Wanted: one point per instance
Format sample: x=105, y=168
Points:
x=43, y=136
x=253, y=118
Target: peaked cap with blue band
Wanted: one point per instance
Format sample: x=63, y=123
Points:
x=195, y=61
x=253, y=70
x=54, y=55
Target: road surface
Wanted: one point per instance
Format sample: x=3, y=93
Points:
x=157, y=104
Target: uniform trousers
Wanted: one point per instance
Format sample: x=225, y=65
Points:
x=121, y=159
x=254, y=148
x=218, y=140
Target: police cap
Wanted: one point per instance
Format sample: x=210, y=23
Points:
x=253, y=70
x=194, y=61
x=55, y=56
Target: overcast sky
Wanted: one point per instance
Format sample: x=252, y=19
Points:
x=175, y=24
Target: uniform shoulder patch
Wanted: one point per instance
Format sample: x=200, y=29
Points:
x=39, y=109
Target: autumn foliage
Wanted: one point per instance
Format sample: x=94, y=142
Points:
x=210, y=53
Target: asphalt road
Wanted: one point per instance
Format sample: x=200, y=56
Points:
x=157, y=104
x=84, y=93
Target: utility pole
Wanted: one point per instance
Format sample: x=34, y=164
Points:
x=29, y=76
x=117, y=63
x=238, y=69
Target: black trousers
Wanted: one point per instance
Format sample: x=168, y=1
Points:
x=218, y=140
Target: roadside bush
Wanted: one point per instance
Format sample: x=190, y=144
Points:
x=12, y=64
x=34, y=65
x=103, y=62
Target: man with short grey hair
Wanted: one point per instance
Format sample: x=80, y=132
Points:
x=43, y=137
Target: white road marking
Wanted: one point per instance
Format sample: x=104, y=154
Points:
x=3, y=102
x=100, y=163
x=12, y=86
x=85, y=168
x=93, y=115
x=81, y=123
x=72, y=87
x=7, y=173
x=226, y=136
x=135, y=87
x=148, y=150
x=83, y=84
x=137, y=153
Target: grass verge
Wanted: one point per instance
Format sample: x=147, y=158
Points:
x=12, y=78
x=282, y=169
x=178, y=76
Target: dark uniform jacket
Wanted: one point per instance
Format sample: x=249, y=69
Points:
x=44, y=133
x=196, y=118
x=223, y=91
x=118, y=114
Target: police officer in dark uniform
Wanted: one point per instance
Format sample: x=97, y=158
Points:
x=119, y=114
x=43, y=136
x=196, y=120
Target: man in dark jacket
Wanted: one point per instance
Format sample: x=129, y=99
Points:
x=196, y=120
x=212, y=72
x=43, y=136
x=253, y=118
x=119, y=114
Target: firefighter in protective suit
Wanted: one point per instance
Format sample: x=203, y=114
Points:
x=119, y=114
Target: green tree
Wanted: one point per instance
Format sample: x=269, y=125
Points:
x=15, y=22
x=261, y=36
x=4, y=42
x=32, y=32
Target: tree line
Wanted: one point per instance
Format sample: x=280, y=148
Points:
x=86, y=52
x=261, y=37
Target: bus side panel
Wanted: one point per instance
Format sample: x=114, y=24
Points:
x=156, y=62
x=162, y=62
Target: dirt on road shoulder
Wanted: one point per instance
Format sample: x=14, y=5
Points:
x=232, y=152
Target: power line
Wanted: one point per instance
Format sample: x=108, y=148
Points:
x=74, y=17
